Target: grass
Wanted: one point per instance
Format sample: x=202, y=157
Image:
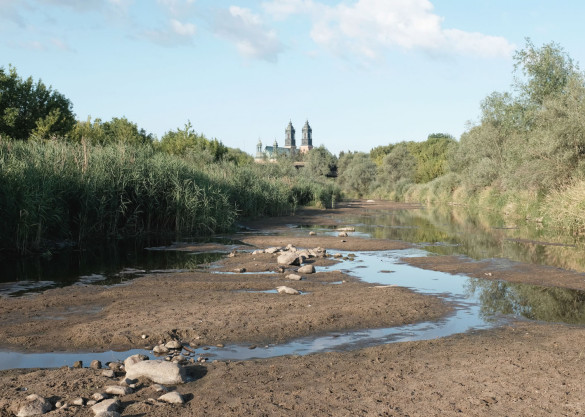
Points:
x=56, y=191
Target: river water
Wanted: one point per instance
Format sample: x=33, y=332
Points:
x=479, y=304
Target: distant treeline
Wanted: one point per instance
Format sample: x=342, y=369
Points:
x=524, y=157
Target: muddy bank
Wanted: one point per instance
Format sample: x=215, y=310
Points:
x=206, y=307
x=522, y=369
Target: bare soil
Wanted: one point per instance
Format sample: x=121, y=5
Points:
x=525, y=368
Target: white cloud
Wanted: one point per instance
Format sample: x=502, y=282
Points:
x=252, y=37
x=183, y=29
x=176, y=33
x=370, y=27
x=176, y=7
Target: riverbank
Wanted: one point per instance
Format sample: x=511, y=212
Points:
x=524, y=368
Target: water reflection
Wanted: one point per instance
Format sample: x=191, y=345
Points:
x=549, y=304
x=453, y=230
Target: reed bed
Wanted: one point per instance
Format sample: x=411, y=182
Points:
x=58, y=191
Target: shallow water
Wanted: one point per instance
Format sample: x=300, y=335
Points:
x=478, y=303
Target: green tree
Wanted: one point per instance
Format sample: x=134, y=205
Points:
x=187, y=142
x=320, y=162
x=29, y=108
x=398, y=165
x=357, y=172
x=118, y=130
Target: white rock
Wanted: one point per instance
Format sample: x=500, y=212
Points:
x=172, y=397
x=306, y=269
x=346, y=229
x=287, y=290
x=95, y=364
x=34, y=405
x=294, y=277
x=118, y=390
x=108, y=373
x=106, y=406
x=342, y=234
x=78, y=401
x=288, y=259
x=174, y=344
x=159, y=388
x=161, y=372
x=272, y=250
x=160, y=349
x=312, y=233
x=99, y=396
x=108, y=414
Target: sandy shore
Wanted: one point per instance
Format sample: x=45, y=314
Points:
x=525, y=368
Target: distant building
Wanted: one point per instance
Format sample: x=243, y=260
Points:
x=270, y=153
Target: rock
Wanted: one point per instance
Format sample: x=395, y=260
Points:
x=99, y=396
x=258, y=251
x=78, y=401
x=307, y=269
x=159, y=388
x=280, y=269
x=290, y=248
x=172, y=397
x=312, y=233
x=160, y=349
x=342, y=234
x=179, y=359
x=34, y=405
x=346, y=229
x=287, y=290
x=370, y=201
x=174, y=344
x=106, y=406
x=108, y=373
x=115, y=366
x=108, y=414
x=95, y=364
x=131, y=360
x=272, y=250
x=338, y=255
x=232, y=254
x=91, y=402
x=294, y=277
x=240, y=270
x=288, y=259
x=144, y=336
x=161, y=372
x=306, y=254
x=78, y=364
x=118, y=390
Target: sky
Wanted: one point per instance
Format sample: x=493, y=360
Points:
x=364, y=73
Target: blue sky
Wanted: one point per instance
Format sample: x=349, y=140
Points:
x=363, y=72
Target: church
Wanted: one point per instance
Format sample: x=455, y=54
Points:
x=270, y=153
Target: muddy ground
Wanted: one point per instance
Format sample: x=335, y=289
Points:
x=524, y=368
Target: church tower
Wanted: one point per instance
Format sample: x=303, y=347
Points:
x=289, y=137
x=307, y=143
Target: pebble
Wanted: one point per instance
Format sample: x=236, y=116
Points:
x=294, y=277
x=118, y=390
x=99, y=396
x=160, y=349
x=106, y=406
x=174, y=344
x=172, y=397
x=338, y=255
x=78, y=364
x=144, y=336
x=240, y=270
x=115, y=366
x=78, y=401
x=34, y=405
x=108, y=373
x=306, y=269
x=220, y=345
x=287, y=290
x=342, y=234
x=159, y=388
x=108, y=414
x=95, y=364
x=312, y=233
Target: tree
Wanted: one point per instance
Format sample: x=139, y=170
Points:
x=320, y=162
x=118, y=130
x=32, y=109
x=398, y=165
x=357, y=173
x=186, y=142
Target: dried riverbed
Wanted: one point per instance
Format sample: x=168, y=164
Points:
x=524, y=368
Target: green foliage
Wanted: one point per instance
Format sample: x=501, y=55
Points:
x=118, y=130
x=356, y=173
x=379, y=152
x=186, y=141
x=32, y=109
x=320, y=162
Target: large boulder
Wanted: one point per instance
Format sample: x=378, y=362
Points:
x=287, y=290
x=160, y=372
x=306, y=269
